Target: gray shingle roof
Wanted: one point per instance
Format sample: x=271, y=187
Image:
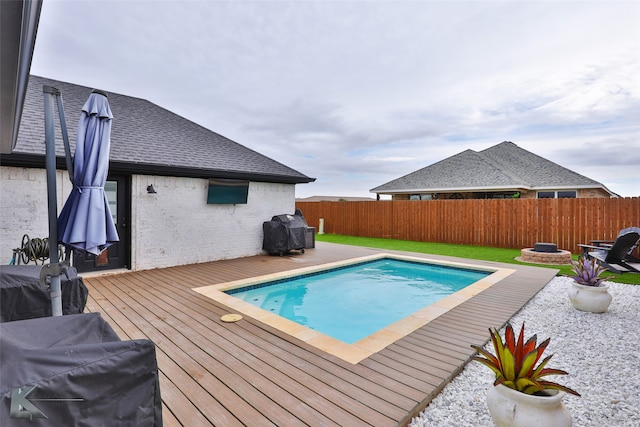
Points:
x=146, y=138
x=501, y=166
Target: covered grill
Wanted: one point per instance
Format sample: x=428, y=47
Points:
x=285, y=233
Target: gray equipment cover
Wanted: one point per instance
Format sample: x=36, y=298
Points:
x=22, y=296
x=74, y=371
x=284, y=233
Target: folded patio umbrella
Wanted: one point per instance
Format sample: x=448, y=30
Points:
x=85, y=222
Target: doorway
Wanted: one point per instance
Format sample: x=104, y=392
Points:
x=118, y=192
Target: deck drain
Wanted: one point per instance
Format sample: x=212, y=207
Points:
x=230, y=318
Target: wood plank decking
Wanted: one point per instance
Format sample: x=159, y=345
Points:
x=248, y=373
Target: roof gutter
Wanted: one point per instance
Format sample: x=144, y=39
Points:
x=493, y=188
x=453, y=189
x=115, y=167
x=163, y=170
x=18, y=27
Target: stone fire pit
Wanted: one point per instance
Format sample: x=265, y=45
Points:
x=545, y=253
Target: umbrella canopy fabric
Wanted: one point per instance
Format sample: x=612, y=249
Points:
x=85, y=222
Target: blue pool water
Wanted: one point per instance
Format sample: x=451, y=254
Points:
x=350, y=303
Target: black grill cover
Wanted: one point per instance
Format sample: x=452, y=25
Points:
x=284, y=233
x=82, y=374
x=22, y=297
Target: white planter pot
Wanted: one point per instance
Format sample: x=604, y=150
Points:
x=511, y=408
x=595, y=299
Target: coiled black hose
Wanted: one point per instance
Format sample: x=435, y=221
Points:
x=33, y=250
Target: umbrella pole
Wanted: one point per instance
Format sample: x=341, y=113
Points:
x=50, y=145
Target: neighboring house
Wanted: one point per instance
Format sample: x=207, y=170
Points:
x=334, y=199
x=183, y=221
x=502, y=171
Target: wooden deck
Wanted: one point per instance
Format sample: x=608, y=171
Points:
x=248, y=373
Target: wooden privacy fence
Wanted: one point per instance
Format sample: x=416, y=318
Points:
x=504, y=223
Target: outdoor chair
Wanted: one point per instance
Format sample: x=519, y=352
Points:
x=617, y=257
x=608, y=243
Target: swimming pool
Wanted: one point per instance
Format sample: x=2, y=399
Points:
x=372, y=343
x=351, y=302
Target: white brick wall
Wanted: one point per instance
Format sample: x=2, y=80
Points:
x=175, y=226
x=23, y=205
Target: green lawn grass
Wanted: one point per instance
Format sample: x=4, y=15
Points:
x=461, y=251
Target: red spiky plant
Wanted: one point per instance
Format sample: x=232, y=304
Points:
x=514, y=363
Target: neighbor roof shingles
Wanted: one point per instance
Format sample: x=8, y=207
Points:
x=504, y=165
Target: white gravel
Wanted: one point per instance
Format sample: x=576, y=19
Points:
x=599, y=351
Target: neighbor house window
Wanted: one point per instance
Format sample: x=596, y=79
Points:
x=546, y=194
x=496, y=195
x=421, y=196
x=557, y=194
x=566, y=194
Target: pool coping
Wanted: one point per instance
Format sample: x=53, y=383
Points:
x=364, y=348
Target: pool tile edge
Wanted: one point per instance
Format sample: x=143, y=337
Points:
x=366, y=347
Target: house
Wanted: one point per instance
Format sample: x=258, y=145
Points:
x=502, y=171
x=179, y=193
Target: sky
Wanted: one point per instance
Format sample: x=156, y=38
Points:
x=358, y=93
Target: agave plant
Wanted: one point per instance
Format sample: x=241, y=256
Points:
x=515, y=363
x=587, y=272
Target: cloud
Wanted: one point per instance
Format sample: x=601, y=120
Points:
x=357, y=93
